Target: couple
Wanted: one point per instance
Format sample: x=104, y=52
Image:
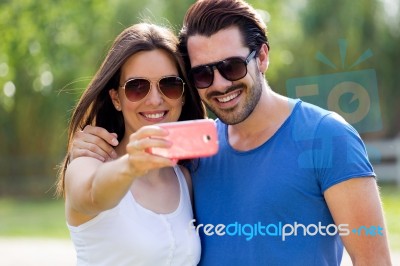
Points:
x=288, y=178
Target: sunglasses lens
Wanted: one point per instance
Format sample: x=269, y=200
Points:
x=171, y=87
x=232, y=69
x=202, y=76
x=136, y=89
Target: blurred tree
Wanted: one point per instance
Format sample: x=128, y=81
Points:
x=47, y=53
x=298, y=30
x=50, y=50
x=363, y=25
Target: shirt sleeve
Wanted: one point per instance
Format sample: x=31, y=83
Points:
x=339, y=153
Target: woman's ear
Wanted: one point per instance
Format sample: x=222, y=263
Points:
x=263, y=58
x=114, y=95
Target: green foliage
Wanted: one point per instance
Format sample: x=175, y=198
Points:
x=364, y=25
x=48, y=54
x=45, y=47
x=49, y=51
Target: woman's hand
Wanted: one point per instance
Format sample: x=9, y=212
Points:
x=140, y=159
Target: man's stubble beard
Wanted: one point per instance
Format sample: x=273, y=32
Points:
x=240, y=112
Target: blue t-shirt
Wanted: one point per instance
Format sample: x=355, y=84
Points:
x=248, y=203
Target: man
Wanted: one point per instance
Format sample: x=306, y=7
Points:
x=291, y=181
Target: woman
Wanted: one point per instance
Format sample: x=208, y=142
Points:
x=136, y=209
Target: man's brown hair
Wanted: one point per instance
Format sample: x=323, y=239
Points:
x=206, y=17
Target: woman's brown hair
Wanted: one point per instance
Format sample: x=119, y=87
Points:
x=95, y=106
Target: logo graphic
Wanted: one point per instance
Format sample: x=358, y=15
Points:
x=282, y=230
x=351, y=94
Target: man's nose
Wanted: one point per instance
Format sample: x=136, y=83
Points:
x=220, y=83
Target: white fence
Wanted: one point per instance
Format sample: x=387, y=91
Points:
x=385, y=158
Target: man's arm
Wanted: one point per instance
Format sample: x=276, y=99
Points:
x=356, y=202
x=95, y=142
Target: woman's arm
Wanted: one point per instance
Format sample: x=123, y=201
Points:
x=92, y=186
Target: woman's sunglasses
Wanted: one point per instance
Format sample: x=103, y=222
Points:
x=137, y=89
x=232, y=69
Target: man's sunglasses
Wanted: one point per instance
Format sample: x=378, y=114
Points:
x=136, y=89
x=232, y=69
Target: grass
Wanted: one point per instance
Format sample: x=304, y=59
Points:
x=391, y=206
x=45, y=218
x=32, y=218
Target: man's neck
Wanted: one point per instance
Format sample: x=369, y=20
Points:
x=270, y=113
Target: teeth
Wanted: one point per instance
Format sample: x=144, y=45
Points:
x=228, y=98
x=154, y=116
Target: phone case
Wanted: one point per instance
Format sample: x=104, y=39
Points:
x=191, y=139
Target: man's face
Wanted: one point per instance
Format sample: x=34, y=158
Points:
x=231, y=101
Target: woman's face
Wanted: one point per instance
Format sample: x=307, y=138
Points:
x=154, y=107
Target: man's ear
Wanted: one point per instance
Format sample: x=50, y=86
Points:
x=263, y=58
x=114, y=95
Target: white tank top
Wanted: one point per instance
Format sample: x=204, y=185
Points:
x=130, y=234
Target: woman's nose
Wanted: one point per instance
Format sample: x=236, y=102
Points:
x=154, y=97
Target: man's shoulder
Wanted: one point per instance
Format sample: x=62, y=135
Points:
x=310, y=120
x=311, y=110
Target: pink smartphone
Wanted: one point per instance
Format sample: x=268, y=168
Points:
x=191, y=139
